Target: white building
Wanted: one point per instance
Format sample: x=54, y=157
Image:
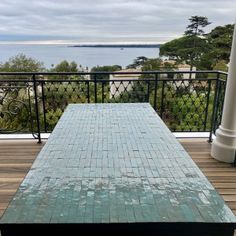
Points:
x=121, y=82
x=181, y=67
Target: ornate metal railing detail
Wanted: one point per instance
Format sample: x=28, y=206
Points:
x=15, y=113
x=34, y=102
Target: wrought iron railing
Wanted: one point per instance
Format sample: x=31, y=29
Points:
x=34, y=102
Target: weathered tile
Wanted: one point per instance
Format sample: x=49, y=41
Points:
x=114, y=163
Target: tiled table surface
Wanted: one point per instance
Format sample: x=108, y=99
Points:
x=111, y=163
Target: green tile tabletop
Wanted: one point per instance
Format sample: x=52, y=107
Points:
x=114, y=163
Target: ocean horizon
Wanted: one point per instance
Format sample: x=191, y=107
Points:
x=52, y=54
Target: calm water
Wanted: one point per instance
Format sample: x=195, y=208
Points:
x=53, y=54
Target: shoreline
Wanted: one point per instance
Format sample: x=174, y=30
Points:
x=118, y=45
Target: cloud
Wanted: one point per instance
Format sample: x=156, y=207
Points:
x=106, y=20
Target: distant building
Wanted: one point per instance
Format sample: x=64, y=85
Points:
x=121, y=82
x=181, y=67
x=186, y=67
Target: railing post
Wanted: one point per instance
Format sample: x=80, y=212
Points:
x=103, y=92
x=36, y=108
x=148, y=90
x=95, y=88
x=44, y=107
x=207, y=104
x=214, y=107
x=155, y=92
x=88, y=92
x=162, y=98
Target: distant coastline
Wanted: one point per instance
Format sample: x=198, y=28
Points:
x=86, y=56
x=117, y=45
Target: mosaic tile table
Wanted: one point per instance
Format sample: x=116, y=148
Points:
x=117, y=166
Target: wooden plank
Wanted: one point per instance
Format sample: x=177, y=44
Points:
x=219, y=169
x=229, y=198
x=220, y=174
x=232, y=204
x=230, y=191
x=225, y=185
x=11, y=185
x=8, y=192
x=20, y=142
x=12, y=175
x=15, y=165
x=16, y=158
x=222, y=179
x=10, y=180
x=19, y=156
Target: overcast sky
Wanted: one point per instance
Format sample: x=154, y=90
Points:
x=106, y=20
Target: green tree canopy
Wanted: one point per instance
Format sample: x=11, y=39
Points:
x=220, y=65
x=182, y=49
x=220, y=38
x=139, y=61
x=65, y=66
x=22, y=63
x=152, y=64
x=105, y=69
x=191, y=46
x=219, y=42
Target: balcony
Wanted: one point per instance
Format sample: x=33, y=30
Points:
x=32, y=103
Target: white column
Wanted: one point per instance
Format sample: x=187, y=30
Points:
x=224, y=146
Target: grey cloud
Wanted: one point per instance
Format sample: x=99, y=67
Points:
x=111, y=20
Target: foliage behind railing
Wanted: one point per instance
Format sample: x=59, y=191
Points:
x=34, y=102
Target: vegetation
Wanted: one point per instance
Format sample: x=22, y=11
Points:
x=22, y=63
x=182, y=105
x=191, y=46
x=219, y=42
x=138, y=62
x=104, y=69
x=65, y=66
x=197, y=23
x=205, y=51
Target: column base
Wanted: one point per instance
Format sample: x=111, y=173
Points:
x=224, y=146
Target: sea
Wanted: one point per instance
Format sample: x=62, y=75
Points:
x=53, y=54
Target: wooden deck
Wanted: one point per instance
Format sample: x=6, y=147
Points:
x=221, y=175
x=17, y=156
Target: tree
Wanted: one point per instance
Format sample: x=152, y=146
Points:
x=139, y=61
x=191, y=46
x=194, y=30
x=157, y=64
x=220, y=38
x=220, y=65
x=219, y=42
x=15, y=111
x=104, y=69
x=197, y=23
x=152, y=64
x=65, y=66
x=22, y=63
x=182, y=50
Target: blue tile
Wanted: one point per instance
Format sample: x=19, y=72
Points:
x=114, y=163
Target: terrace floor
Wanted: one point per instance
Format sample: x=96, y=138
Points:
x=17, y=156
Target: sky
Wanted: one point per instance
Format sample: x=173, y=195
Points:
x=80, y=21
